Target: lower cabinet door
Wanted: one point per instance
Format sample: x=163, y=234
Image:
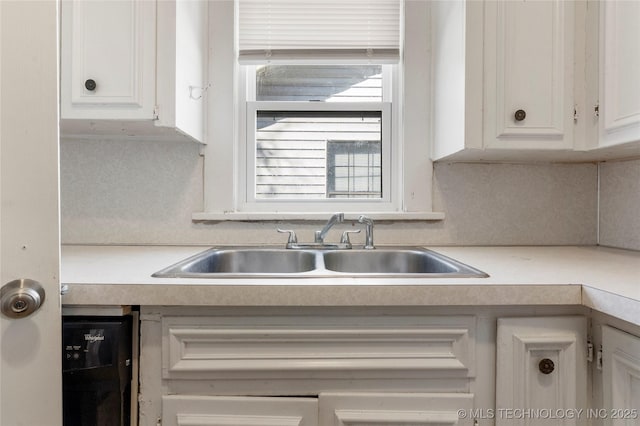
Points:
x=395, y=409
x=183, y=410
x=621, y=377
x=541, y=370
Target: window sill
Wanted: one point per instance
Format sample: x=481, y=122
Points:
x=262, y=216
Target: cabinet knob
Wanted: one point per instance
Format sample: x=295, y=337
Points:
x=520, y=115
x=90, y=85
x=546, y=366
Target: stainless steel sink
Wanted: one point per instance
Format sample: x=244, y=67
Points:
x=242, y=261
x=270, y=262
x=393, y=261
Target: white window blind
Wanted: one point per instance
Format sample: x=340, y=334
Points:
x=331, y=31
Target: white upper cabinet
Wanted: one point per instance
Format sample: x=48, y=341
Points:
x=502, y=79
x=456, y=74
x=108, y=59
x=528, y=74
x=548, y=80
x=133, y=68
x=619, y=108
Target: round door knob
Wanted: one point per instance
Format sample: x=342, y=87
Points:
x=520, y=115
x=546, y=366
x=90, y=85
x=21, y=298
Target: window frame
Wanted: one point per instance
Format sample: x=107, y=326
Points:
x=222, y=147
x=246, y=200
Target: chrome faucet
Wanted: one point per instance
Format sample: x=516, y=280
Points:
x=368, y=237
x=319, y=235
x=344, y=243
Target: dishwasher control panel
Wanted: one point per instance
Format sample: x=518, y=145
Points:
x=94, y=344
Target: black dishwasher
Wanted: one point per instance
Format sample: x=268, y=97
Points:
x=96, y=370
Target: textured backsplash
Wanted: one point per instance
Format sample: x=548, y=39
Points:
x=620, y=204
x=143, y=192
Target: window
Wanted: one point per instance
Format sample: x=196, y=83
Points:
x=318, y=125
x=317, y=154
x=354, y=169
x=296, y=156
x=317, y=132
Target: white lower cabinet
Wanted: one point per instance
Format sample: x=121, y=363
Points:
x=328, y=409
x=455, y=366
x=345, y=409
x=306, y=352
x=541, y=366
x=180, y=410
x=307, y=370
x=621, y=377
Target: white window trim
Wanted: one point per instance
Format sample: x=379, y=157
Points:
x=222, y=178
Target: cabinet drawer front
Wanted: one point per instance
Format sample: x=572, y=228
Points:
x=315, y=347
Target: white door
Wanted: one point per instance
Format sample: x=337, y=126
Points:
x=30, y=352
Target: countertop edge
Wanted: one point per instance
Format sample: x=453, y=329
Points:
x=323, y=295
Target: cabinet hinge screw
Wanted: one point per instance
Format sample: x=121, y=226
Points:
x=596, y=110
x=589, y=352
x=575, y=115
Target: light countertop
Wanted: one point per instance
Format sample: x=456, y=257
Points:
x=604, y=279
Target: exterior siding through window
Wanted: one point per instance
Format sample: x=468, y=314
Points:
x=318, y=154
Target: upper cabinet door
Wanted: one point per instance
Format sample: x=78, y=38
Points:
x=619, y=72
x=529, y=74
x=108, y=59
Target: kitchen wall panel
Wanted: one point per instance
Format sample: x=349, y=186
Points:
x=143, y=192
x=620, y=204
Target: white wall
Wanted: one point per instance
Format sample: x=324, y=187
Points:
x=143, y=192
x=620, y=204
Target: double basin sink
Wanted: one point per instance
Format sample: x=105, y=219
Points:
x=273, y=262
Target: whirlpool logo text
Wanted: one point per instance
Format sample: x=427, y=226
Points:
x=93, y=338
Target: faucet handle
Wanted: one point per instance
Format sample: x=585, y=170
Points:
x=345, y=236
x=293, y=239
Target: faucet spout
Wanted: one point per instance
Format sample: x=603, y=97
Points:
x=319, y=235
